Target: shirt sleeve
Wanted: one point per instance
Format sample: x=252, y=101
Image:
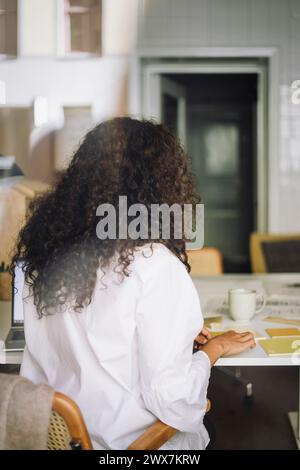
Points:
x=174, y=381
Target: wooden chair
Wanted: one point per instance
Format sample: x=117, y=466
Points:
x=157, y=435
x=205, y=262
x=258, y=261
x=67, y=429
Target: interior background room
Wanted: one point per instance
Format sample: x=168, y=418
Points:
x=220, y=73
x=65, y=65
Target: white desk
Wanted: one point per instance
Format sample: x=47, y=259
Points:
x=210, y=288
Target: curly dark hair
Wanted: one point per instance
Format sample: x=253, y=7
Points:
x=61, y=251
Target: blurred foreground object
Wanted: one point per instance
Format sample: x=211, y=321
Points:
x=25, y=411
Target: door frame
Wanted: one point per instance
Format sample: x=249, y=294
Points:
x=158, y=85
x=145, y=63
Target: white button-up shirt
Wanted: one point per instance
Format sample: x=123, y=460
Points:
x=127, y=358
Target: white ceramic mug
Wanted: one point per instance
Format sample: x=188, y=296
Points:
x=242, y=304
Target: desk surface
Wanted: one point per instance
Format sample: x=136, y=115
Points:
x=212, y=288
x=208, y=288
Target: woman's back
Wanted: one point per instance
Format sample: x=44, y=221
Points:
x=127, y=357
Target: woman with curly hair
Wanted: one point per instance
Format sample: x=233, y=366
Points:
x=111, y=322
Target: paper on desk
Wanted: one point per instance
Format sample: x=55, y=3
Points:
x=214, y=306
x=283, y=302
x=282, y=311
x=279, y=288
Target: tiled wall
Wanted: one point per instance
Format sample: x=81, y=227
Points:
x=245, y=23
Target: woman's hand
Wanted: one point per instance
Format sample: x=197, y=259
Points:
x=203, y=336
x=228, y=344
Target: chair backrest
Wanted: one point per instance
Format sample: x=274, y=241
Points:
x=67, y=429
x=205, y=262
x=259, y=263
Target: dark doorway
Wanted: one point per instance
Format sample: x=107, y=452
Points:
x=221, y=114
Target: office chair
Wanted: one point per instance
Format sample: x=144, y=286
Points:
x=208, y=262
x=205, y=262
x=258, y=252
x=67, y=429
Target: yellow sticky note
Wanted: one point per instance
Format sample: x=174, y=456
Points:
x=213, y=322
x=279, y=332
x=288, y=321
x=281, y=346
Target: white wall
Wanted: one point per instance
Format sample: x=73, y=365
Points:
x=66, y=82
x=100, y=81
x=37, y=27
x=247, y=23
